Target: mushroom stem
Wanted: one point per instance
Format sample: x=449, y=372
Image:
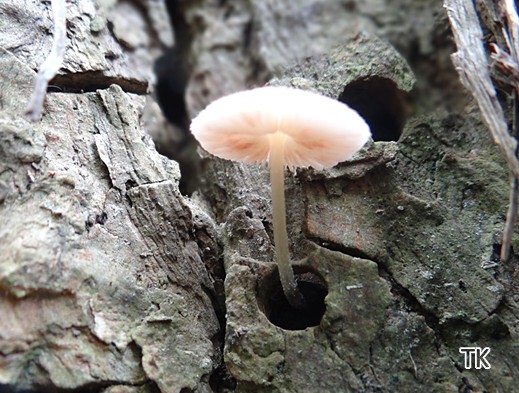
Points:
x=277, y=180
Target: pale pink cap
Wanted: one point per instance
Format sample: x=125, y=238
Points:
x=321, y=131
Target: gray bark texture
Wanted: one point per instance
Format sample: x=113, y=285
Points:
x=113, y=280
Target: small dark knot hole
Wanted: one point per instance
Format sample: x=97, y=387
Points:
x=277, y=309
x=381, y=103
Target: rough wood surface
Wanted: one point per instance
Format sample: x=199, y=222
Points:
x=111, y=280
x=100, y=274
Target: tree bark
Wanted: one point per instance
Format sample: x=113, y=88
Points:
x=113, y=280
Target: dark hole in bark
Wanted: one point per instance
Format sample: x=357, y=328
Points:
x=172, y=78
x=496, y=252
x=221, y=380
x=277, y=309
x=101, y=218
x=173, y=71
x=380, y=102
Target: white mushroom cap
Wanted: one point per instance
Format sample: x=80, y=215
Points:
x=320, y=131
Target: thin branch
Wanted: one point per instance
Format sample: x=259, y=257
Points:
x=511, y=214
x=52, y=64
x=414, y=364
x=511, y=218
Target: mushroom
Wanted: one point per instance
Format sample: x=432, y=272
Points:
x=285, y=127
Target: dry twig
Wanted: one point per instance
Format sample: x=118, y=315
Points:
x=52, y=64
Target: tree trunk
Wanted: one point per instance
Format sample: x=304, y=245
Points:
x=112, y=279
